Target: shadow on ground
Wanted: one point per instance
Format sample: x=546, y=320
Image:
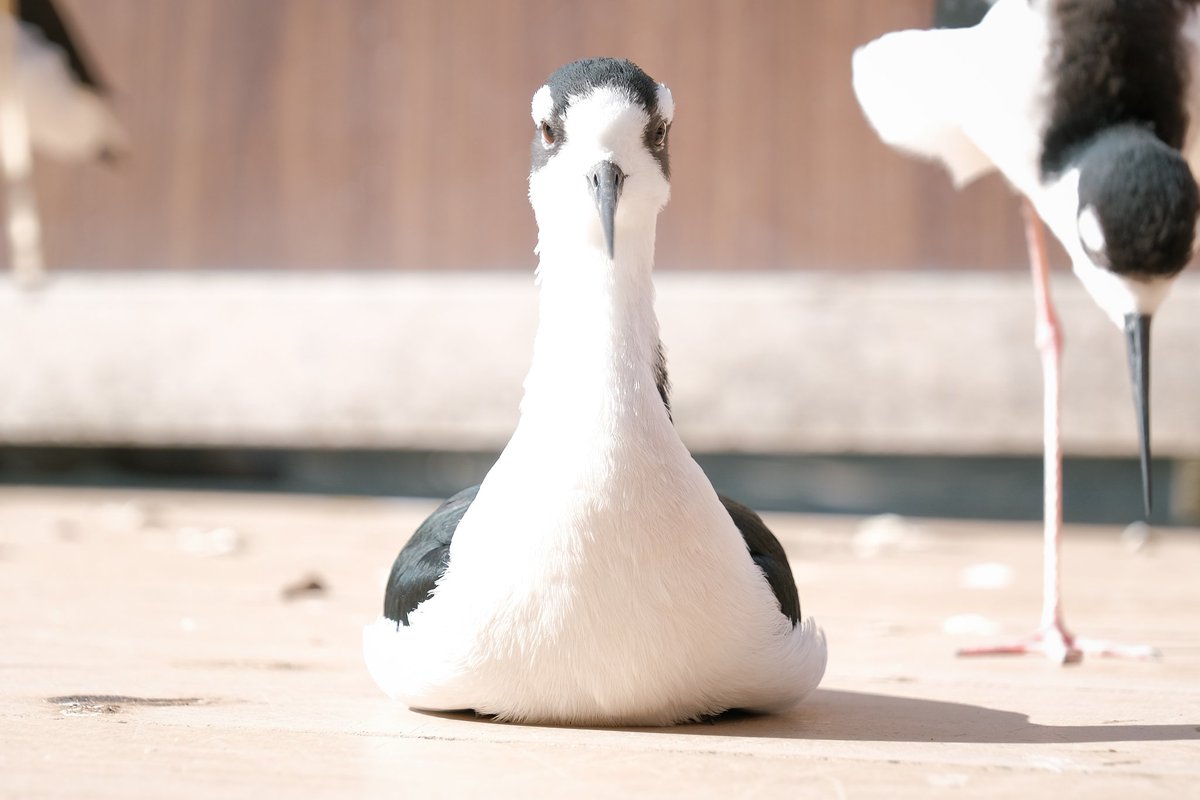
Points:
x=833, y=715
x=830, y=714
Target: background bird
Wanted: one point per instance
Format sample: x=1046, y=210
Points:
x=960, y=13
x=1085, y=107
x=595, y=576
x=52, y=99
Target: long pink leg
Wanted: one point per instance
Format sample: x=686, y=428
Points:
x=1056, y=641
x=1052, y=639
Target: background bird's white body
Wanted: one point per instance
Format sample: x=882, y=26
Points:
x=962, y=96
x=67, y=120
x=597, y=578
x=44, y=105
x=1087, y=111
x=977, y=100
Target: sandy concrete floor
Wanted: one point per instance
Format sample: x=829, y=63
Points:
x=179, y=645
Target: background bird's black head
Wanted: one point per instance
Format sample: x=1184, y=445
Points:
x=1145, y=198
x=577, y=79
x=960, y=13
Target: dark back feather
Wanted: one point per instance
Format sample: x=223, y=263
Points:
x=1115, y=62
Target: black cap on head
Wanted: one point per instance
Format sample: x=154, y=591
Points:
x=1145, y=198
x=959, y=13
x=578, y=78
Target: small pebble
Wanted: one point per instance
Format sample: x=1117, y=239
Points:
x=308, y=586
x=67, y=529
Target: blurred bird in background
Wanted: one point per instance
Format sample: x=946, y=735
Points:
x=51, y=99
x=1085, y=107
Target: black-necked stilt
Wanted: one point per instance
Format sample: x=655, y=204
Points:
x=595, y=576
x=1085, y=107
x=51, y=99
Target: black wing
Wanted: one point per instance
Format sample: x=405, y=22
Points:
x=423, y=558
x=768, y=554
x=960, y=13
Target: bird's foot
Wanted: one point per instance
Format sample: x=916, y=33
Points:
x=1054, y=642
x=1060, y=646
x=1102, y=647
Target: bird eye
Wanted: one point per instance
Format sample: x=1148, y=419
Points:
x=548, y=135
x=660, y=134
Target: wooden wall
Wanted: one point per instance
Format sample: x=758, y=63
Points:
x=394, y=133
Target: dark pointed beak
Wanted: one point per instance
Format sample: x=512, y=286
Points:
x=1137, y=338
x=605, y=181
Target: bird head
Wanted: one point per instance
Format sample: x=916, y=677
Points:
x=600, y=171
x=1135, y=222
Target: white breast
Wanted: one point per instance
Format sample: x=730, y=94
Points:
x=597, y=578
x=601, y=590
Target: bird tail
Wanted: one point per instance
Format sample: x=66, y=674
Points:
x=385, y=654
x=804, y=666
x=910, y=85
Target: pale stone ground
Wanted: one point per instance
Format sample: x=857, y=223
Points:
x=149, y=647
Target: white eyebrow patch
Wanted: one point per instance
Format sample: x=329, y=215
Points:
x=666, y=103
x=543, y=105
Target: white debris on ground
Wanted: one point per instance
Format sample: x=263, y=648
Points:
x=988, y=575
x=885, y=534
x=203, y=541
x=948, y=780
x=208, y=542
x=1138, y=536
x=969, y=625
x=125, y=516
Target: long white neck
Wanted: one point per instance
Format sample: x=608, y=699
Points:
x=597, y=340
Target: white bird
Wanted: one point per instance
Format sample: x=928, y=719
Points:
x=595, y=577
x=51, y=99
x=1086, y=108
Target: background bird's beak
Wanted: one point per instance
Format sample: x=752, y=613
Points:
x=1137, y=338
x=605, y=181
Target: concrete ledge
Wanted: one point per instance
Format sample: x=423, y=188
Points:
x=762, y=362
